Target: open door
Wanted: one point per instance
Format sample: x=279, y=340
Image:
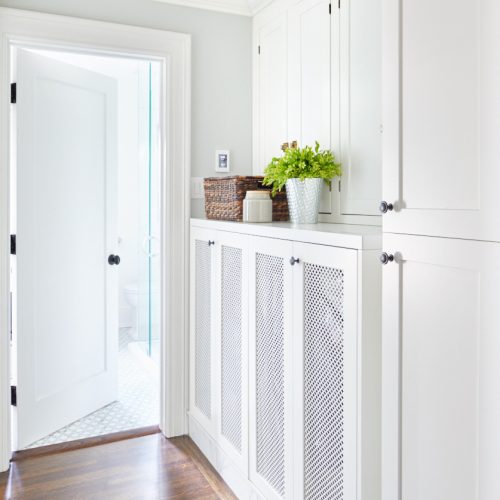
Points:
x=67, y=284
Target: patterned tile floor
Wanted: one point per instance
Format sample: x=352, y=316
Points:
x=137, y=405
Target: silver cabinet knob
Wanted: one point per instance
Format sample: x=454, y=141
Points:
x=386, y=207
x=211, y=242
x=385, y=258
x=294, y=261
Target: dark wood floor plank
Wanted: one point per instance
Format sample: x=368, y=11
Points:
x=148, y=467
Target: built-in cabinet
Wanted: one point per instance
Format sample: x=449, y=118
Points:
x=285, y=342
x=441, y=237
x=317, y=77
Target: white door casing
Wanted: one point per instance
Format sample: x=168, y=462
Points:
x=173, y=50
x=67, y=293
x=441, y=115
x=441, y=425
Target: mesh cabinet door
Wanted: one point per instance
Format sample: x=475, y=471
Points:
x=202, y=320
x=270, y=369
x=232, y=346
x=325, y=333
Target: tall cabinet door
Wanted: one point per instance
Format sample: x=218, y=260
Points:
x=232, y=345
x=271, y=90
x=309, y=78
x=441, y=117
x=325, y=372
x=441, y=345
x=360, y=139
x=270, y=366
x=202, y=405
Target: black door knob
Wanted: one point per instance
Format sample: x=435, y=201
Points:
x=385, y=258
x=385, y=207
x=113, y=260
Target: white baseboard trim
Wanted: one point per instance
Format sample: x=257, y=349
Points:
x=236, y=479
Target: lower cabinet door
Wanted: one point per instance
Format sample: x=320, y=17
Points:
x=270, y=386
x=324, y=372
x=202, y=405
x=441, y=369
x=232, y=346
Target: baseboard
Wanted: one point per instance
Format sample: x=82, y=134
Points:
x=222, y=463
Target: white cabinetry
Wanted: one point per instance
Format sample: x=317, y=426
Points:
x=441, y=118
x=303, y=319
x=317, y=76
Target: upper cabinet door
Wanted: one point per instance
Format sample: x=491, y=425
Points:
x=309, y=78
x=271, y=91
x=360, y=104
x=441, y=117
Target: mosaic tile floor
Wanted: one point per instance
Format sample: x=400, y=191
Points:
x=137, y=406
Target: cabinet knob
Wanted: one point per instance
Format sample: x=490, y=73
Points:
x=385, y=258
x=386, y=207
x=294, y=144
x=294, y=261
x=113, y=260
x=211, y=242
x=285, y=146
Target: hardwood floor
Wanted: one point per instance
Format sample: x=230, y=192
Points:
x=148, y=467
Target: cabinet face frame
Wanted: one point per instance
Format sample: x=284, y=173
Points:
x=237, y=241
x=281, y=249
x=346, y=261
x=205, y=235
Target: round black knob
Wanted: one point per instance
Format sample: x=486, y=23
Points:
x=113, y=260
x=294, y=261
x=385, y=258
x=385, y=207
x=211, y=242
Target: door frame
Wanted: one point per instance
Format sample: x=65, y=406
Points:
x=173, y=50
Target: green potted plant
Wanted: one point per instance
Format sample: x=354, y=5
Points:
x=301, y=171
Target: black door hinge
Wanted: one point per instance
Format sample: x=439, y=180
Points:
x=13, y=395
x=13, y=244
x=330, y=9
x=13, y=93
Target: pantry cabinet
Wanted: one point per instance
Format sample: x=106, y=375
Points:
x=296, y=341
x=441, y=425
x=324, y=85
x=441, y=118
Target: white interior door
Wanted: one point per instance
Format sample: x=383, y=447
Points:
x=66, y=221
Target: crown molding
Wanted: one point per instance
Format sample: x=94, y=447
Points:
x=238, y=7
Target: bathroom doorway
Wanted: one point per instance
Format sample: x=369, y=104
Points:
x=86, y=244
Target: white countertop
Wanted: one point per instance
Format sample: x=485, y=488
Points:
x=339, y=235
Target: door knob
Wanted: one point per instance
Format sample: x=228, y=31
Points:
x=385, y=207
x=113, y=260
x=294, y=261
x=385, y=258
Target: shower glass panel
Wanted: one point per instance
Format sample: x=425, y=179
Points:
x=149, y=210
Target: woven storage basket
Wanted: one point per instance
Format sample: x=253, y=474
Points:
x=224, y=197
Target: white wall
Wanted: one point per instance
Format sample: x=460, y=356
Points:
x=221, y=70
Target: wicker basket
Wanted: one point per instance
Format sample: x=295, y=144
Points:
x=224, y=197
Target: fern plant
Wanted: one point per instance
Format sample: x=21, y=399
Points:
x=301, y=163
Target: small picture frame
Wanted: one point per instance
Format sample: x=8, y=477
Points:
x=222, y=161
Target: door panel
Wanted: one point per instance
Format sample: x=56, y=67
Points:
x=325, y=371
x=66, y=228
x=309, y=64
x=360, y=106
x=441, y=117
x=272, y=90
x=442, y=343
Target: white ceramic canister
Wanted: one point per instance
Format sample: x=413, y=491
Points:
x=257, y=207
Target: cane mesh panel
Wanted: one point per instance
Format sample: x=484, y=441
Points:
x=270, y=351
x=324, y=382
x=231, y=345
x=203, y=316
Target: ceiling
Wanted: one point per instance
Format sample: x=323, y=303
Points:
x=240, y=7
